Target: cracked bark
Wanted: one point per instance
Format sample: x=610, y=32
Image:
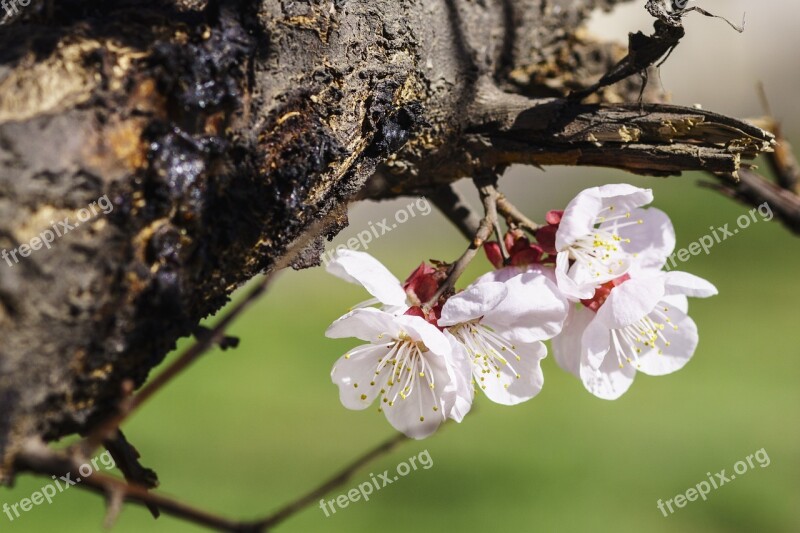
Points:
x=222, y=131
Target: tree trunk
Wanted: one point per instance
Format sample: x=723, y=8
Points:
x=220, y=132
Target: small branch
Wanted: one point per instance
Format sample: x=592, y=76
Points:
x=37, y=458
x=488, y=193
x=754, y=190
x=782, y=161
x=207, y=340
x=130, y=405
x=456, y=209
x=339, y=479
x=510, y=212
x=501, y=242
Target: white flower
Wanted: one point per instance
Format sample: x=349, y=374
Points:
x=640, y=324
x=601, y=231
x=362, y=269
x=419, y=374
x=395, y=297
x=501, y=325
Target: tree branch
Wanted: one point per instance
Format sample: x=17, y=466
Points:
x=752, y=189
x=486, y=187
x=651, y=139
x=38, y=458
x=336, y=481
x=512, y=213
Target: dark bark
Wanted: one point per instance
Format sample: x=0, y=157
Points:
x=221, y=131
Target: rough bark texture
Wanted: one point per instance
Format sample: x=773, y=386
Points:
x=222, y=130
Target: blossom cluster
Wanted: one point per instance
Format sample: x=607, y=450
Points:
x=592, y=282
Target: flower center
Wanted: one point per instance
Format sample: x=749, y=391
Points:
x=487, y=350
x=600, y=251
x=403, y=370
x=645, y=335
x=602, y=292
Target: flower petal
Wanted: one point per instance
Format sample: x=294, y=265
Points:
x=414, y=415
x=581, y=213
x=630, y=301
x=678, y=301
x=459, y=395
x=474, y=302
x=682, y=344
x=624, y=197
x=506, y=273
x=609, y=381
x=595, y=343
x=363, y=269
x=534, y=310
x=367, y=324
x=568, y=286
x=421, y=330
x=651, y=242
x=579, y=218
x=677, y=282
x=354, y=373
x=567, y=345
x=516, y=381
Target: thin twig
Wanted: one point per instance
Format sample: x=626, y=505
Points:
x=488, y=193
x=189, y=356
x=501, y=243
x=782, y=160
x=203, y=344
x=754, y=190
x=40, y=459
x=336, y=481
x=508, y=210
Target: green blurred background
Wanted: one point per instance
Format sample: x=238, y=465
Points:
x=245, y=431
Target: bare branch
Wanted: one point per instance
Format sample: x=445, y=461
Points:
x=37, y=458
x=782, y=160
x=510, y=211
x=486, y=187
x=339, y=479
x=754, y=190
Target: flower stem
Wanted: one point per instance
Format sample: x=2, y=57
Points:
x=486, y=184
x=512, y=214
